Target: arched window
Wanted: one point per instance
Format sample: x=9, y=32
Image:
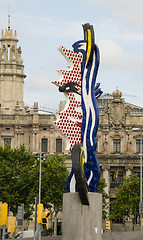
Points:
x=7, y=141
x=117, y=181
x=58, y=145
x=138, y=145
x=44, y=145
x=116, y=145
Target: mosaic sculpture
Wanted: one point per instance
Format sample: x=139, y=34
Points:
x=80, y=118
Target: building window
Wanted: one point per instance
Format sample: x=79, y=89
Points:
x=138, y=145
x=7, y=142
x=118, y=181
x=97, y=146
x=116, y=146
x=137, y=174
x=59, y=145
x=8, y=52
x=44, y=145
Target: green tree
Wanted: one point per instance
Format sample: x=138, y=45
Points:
x=127, y=199
x=105, y=197
x=53, y=177
x=53, y=181
x=17, y=174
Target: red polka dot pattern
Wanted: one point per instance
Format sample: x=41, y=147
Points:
x=70, y=118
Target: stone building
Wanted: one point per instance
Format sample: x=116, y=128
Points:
x=118, y=145
x=19, y=124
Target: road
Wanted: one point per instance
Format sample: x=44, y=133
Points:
x=137, y=235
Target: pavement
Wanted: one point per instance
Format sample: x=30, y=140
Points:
x=44, y=238
x=137, y=235
x=52, y=238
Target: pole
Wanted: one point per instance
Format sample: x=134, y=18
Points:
x=39, y=224
x=141, y=181
x=35, y=220
x=40, y=181
x=141, y=203
x=3, y=232
x=22, y=205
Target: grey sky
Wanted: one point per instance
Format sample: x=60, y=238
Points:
x=43, y=25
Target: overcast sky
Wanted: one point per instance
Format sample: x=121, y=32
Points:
x=42, y=25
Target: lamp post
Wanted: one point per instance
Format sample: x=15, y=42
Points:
x=39, y=224
x=141, y=178
x=40, y=179
x=140, y=130
x=41, y=157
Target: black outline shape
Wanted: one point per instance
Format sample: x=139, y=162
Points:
x=80, y=178
x=85, y=30
x=70, y=87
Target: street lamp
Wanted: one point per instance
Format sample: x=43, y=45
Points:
x=40, y=157
x=140, y=130
x=39, y=224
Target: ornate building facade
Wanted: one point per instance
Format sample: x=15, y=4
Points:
x=18, y=124
x=118, y=145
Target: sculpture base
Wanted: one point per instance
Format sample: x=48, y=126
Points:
x=82, y=222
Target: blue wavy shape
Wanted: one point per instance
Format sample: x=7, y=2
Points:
x=90, y=91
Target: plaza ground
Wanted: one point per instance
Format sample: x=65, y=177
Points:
x=137, y=235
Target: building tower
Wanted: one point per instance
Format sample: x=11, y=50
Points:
x=11, y=73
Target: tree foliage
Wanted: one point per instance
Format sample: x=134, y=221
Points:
x=16, y=178
x=127, y=199
x=53, y=181
x=54, y=176
x=105, y=197
x=19, y=179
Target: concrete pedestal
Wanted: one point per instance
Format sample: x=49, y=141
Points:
x=81, y=222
